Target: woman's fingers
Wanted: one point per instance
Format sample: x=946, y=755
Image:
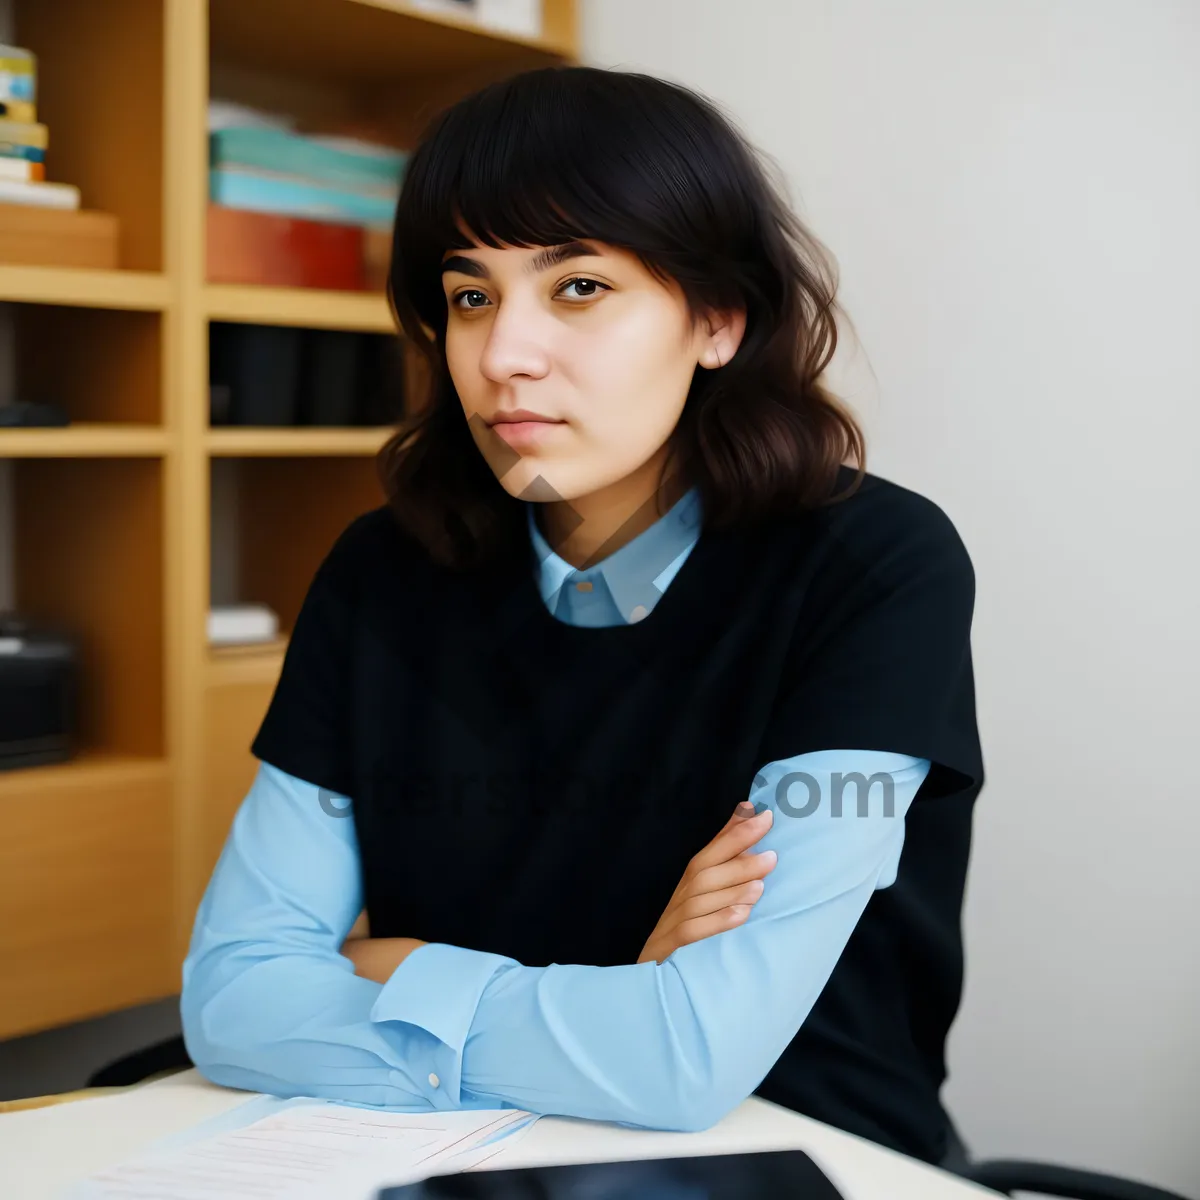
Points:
x=696, y=929
x=708, y=903
x=737, y=870
x=718, y=880
x=721, y=885
x=739, y=833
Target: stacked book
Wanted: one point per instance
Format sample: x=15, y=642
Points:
x=342, y=180
x=23, y=141
x=294, y=209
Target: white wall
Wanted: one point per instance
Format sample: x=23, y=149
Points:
x=1013, y=192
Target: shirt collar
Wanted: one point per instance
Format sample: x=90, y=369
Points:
x=636, y=574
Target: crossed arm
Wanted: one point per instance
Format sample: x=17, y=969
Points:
x=720, y=886
x=276, y=999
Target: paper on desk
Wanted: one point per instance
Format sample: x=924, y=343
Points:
x=309, y=1152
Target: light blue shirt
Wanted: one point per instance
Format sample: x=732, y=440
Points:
x=269, y=1004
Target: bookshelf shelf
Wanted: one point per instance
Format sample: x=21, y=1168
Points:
x=85, y=441
x=83, y=772
x=139, y=291
x=374, y=41
x=308, y=308
x=238, y=665
x=303, y=443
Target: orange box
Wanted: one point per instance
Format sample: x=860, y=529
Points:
x=49, y=237
x=279, y=251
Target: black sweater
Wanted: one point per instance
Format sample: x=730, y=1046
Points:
x=457, y=713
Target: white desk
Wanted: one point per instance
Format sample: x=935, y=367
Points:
x=43, y=1150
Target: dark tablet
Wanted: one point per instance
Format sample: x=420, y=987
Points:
x=771, y=1174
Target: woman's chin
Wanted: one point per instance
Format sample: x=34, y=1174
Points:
x=529, y=479
x=543, y=482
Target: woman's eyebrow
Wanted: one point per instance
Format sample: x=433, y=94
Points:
x=543, y=260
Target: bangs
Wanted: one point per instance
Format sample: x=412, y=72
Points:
x=552, y=156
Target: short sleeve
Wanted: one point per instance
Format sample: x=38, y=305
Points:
x=305, y=732
x=881, y=656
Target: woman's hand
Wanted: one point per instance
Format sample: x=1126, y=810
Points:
x=718, y=889
x=361, y=927
x=375, y=958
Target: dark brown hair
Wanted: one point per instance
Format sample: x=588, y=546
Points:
x=565, y=153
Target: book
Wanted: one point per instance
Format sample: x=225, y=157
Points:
x=24, y=153
x=332, y=162
x=39, y=195
x=520, y=17
x=25, y=133
x=22, y=170
x=18, y=74
x=299, y=198
x=238, y=624
x=18, y=110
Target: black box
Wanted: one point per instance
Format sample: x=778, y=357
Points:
x=38, y=691
x=254, y=372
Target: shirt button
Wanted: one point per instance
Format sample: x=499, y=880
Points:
x=638, y=613
x=583, y=586
x=434, y=1081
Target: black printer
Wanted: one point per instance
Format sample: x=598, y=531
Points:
x=38, y=688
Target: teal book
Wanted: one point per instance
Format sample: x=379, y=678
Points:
x=26, y=153
x=299, y=198
x=342, y=165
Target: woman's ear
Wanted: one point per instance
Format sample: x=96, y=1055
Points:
x=724, y=336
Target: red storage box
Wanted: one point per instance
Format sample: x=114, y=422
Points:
x=261, y=248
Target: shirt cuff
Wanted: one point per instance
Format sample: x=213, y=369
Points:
x=437, y=988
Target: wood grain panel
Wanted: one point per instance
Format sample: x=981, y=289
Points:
x=85, y=895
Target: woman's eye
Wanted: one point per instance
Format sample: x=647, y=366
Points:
x=471, y=303
x=586, y=289
x=573, y=289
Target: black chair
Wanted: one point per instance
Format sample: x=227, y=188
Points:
x=170, y=1055
x=1005, y=1176
x=1009, y=1175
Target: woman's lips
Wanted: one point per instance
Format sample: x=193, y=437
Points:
x=525, y=433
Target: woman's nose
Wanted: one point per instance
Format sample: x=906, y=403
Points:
x=516, y=345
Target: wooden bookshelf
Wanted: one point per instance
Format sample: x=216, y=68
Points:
x=308, y=308
x=85, y=441
x=372, y=41
x=103, y=859
x=296, y=443
x=142, y=291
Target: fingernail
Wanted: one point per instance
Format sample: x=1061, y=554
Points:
x=768, y=856
x=744, y=809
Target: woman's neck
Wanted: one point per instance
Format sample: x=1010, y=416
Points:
x=587, y=529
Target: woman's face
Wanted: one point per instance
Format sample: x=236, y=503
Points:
x=584, y=337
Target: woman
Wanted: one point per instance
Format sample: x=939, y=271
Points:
x=625, y=581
